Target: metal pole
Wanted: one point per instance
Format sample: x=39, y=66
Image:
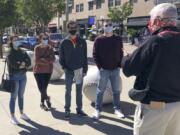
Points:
x=67, y=14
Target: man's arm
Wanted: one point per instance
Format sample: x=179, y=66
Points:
x=141, y=58
x=61, y=54
x=85, y=66
x=96, y=53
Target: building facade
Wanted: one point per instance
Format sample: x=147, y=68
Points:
x=94, y=12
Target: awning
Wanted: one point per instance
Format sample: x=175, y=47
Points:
x=137, y=21
x=52, y=25
x=90, y=0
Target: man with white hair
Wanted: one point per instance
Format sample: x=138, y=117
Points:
x=158, y=112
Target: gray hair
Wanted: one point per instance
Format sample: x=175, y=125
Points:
x=165, y=11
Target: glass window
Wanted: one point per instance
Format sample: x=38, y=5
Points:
x=77, y=8
x=90, y=5
x=110, y=3
x=117, y=2
x=98, y=4
x=81, y=7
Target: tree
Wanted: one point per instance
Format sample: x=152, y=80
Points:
x=118, y=15
x=7, y=17
x=39, y=12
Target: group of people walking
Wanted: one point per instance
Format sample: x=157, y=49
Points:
x=157, y=113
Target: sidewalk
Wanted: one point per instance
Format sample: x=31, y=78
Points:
x=53, y=122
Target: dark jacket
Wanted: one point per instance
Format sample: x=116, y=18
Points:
x=108, y=52
x=14, y=60
x=73, y=57
x=164, y=85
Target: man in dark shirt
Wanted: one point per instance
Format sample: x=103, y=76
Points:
x=158, y=113
x=73, y=59
x=107, y=53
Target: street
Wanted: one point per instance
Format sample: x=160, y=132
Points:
x=53, y=122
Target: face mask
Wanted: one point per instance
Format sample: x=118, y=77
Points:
x=108, y=29
x=16, y=44
x=45, y=42
x=72, y=32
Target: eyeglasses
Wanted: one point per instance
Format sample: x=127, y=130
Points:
x=108, y=25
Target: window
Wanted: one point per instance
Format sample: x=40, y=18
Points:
x=90, y=5
x=133, y=1
x=81, y=7
x=117, y=2
x=78, y=8
x=110, y=3
x=98, y=4
x=70, y=10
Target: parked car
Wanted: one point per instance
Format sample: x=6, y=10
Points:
x=31, y=42
x=28, y=42
x=55, y=40
x=5, y=38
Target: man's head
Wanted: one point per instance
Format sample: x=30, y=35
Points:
x=108, y=28
x=164, y=14
x=72, y=27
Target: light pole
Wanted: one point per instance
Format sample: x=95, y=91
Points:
x=67, y=15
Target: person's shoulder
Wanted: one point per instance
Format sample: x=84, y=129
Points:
x=117, y=37
x=99, y=38
x=37, y=46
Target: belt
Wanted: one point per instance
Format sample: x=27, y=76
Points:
x=156, y=105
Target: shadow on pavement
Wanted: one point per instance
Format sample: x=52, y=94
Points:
x=127, y=108
x=38, y=129
x=58, y=82
x=99, y=125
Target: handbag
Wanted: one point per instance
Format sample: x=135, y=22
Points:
x=7, y=85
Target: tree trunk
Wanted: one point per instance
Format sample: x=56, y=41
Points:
x=1, y=44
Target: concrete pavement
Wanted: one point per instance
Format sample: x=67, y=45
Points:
x=53, y=122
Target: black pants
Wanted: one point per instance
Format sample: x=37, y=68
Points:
x=42, y=80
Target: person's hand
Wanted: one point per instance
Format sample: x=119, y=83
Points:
x=18, y=62
x=125, y=53
x=42, y=59
x=23, y=63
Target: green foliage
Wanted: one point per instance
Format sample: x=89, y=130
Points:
x=7, y=13
x=120, y=14
x=39, y=12
x=131, y=32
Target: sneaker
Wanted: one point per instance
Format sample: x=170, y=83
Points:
x=24, y=117
x=67, y=115
x=96, y=115
x=81, y=113
x=119, y=114
x=14, y=121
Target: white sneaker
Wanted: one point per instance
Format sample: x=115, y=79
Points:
x=24, y=117
x=119, y=114
x=96, y=115
x=14, y=121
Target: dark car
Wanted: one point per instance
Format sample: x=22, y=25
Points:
x=55, y=40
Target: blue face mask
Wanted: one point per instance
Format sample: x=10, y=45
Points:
x=45, y=42
x=108, y=29
x=16, y=44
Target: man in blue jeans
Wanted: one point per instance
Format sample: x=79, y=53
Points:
x=73, y=58
x=108, y=53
